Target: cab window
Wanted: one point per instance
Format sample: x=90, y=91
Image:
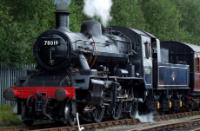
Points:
x=147, y=50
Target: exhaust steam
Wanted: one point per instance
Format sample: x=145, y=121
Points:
x=98, y=8
x=145, y=118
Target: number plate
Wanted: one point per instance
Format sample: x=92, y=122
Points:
x=51, y=41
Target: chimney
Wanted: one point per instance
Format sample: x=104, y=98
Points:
x=62, y=19
x=62, y=14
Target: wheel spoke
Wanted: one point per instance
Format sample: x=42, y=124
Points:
x=133, y=109
x=98, y=114
x=117, y=111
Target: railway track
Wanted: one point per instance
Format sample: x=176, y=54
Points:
x=168, y=124
x=179, y=120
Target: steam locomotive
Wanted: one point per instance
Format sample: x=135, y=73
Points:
x=100, y=72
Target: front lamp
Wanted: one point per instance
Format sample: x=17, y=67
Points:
x=60, y=94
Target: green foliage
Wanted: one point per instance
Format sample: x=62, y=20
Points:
x=190, y=10
x=76, y=17
x=127, y=13
x=23, y=20
x=8, y=48
x=162, y=19
x=7, y=117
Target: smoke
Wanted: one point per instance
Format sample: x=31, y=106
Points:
x=98, y=8
x=145, y=118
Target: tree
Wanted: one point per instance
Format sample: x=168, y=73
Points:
x=9, y=50
x=127, y=13
x=162, y=19
x=76, y=17
x=22, y=22
x=190, y=21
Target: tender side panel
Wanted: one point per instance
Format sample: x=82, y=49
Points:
x=173, y=76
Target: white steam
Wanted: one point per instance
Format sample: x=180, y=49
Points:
x=98, y=8
x=145, y=118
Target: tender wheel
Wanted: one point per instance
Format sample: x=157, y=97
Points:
x=28, y=122
x=98, y=114
x=132, y=110
x=117, y=111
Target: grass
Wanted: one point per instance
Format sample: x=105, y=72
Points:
x=7, y=117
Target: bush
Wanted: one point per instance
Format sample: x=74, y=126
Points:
x=7, y=117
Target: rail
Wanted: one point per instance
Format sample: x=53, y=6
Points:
x=161, y=122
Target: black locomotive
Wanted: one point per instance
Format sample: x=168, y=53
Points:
x=100, y=72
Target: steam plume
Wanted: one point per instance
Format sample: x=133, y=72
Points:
x=145, y=118
x=98, y=8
